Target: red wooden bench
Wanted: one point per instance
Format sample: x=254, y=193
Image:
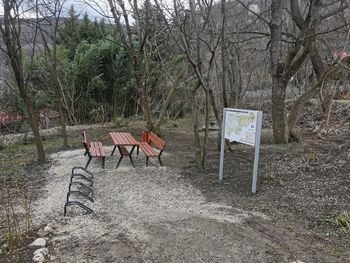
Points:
x=93, y=149
x=147, y=140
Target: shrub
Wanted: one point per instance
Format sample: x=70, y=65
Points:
x=120, y=122
x=343, y=221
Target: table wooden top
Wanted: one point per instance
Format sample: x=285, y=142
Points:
x=123, y=139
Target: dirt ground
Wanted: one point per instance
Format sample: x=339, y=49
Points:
x=178, y=213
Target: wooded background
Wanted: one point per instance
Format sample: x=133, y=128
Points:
x=162, y=59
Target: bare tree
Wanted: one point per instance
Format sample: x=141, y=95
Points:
x=135, y=52
x=10, y=30
x=48, y=16
x=286, y=60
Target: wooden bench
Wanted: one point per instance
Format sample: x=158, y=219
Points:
x=93, y=149
x=147, y=140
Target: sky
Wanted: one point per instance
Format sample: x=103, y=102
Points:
x=79, y=6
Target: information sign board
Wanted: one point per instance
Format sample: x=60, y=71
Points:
x=242, y=126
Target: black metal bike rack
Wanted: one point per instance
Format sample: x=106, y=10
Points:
x=85, y=192
x=84, y=170
x=86, y=188
x=70, y=203
x=81, y=176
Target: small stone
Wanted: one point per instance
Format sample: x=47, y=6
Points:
x=48, y=229
x=43, y=233
x=3, y=249
x=39, y=258
x=39, y=242
x=43, y=251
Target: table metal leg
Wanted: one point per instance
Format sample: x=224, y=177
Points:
x=132, y=149
x=132, y=161
x=113, y=150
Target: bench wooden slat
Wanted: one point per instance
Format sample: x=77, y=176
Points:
x=153, y=138
x=148, y=150
x=96, y=149
x=93, y=149
x=100, y=147
x=149, y=138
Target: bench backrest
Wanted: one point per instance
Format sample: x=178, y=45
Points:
x=86, y=141
x=153, y=138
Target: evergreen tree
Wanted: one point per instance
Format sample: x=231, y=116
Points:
x=69, y=34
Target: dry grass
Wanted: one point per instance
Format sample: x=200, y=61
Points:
x=17, y=219
x=343, y=221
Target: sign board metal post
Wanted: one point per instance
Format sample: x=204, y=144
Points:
x=222, y=148
x=257, y=148
x=256, y=143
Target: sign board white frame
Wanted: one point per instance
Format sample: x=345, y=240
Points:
x=256, y=144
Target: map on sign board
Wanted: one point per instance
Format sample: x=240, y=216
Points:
x=240, y=126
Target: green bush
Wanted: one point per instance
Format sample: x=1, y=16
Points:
x=120, y=122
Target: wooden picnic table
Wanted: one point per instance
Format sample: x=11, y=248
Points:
x=121, y=140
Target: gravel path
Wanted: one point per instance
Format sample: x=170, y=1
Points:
x=146, y=214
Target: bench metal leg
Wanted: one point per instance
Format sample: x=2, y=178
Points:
x=103, y=162
x=120, y=159
x=113, y=150
x=147, y=159
x=160, y=161
x=88, y=162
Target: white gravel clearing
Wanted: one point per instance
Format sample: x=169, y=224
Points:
x=129, y=203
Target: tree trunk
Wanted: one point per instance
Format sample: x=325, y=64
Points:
x=195, y=119
x=279, y=83
x=298, y=106
x=279, y=122
x=166, y=104
x=63, y=124
x=327, y=116
x=143, y=97
x=206, y=131
x=304, y=98
x=10, y=31
x=223, y=53
x=35, y=126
